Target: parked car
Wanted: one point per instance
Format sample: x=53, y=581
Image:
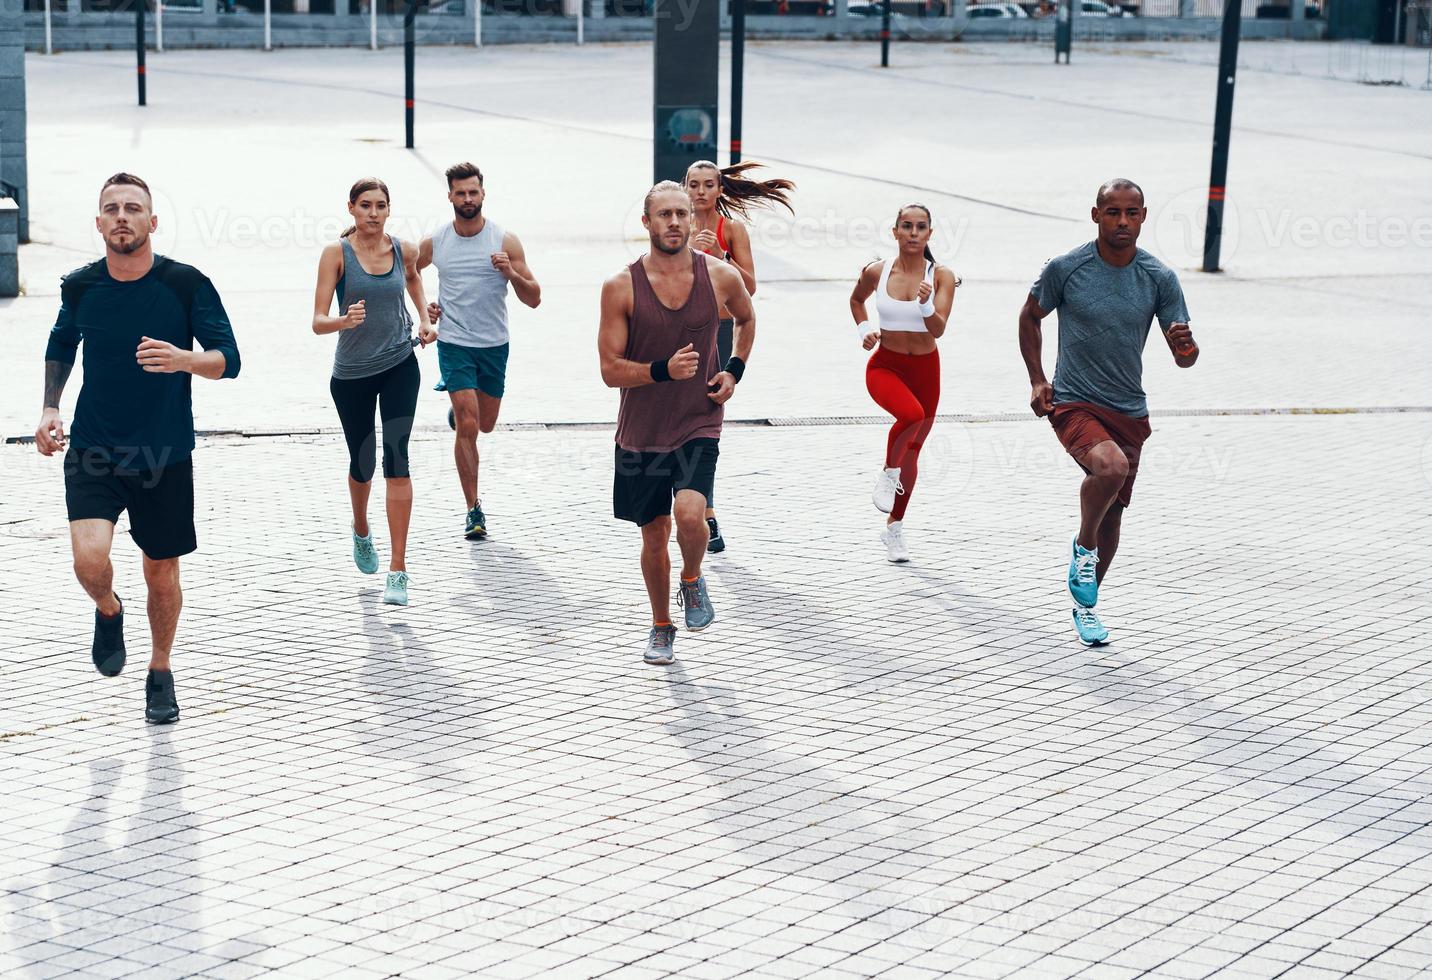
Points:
x=1098, y=8
x=863, y=9
x=996, y=10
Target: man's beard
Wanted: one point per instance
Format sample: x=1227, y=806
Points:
x=467, y=211
x=135, y=243
x=660, y=246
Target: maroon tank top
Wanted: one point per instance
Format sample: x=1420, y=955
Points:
x=658, y=418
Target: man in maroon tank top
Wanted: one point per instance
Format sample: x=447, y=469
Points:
x=657, y=343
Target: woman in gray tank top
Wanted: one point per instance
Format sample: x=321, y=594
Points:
x=374, y=366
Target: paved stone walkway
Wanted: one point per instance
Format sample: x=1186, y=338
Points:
x=860, y=770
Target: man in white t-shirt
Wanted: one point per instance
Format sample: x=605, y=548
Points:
x=476, y=260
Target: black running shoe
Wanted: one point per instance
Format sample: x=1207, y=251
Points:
x=717, y=544
x=160, y=708
x=107, y=650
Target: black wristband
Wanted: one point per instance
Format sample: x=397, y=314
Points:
x=736, y=367
x=659, y=371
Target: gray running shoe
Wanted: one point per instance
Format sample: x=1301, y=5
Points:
x=660, y=645
x=693, y=598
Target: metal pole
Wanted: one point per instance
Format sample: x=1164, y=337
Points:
x=409, y=45
x=738, y=73
x=49, y=38
x=373, y=25
x=139, y=46
x=268, y=25
x=885, y=34
x=581, y=19
x=1222, y=126
x=159, y=26
x=477, y=23
x=1063, y=30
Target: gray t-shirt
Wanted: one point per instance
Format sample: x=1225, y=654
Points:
x=471, y=292
x=1104, y=316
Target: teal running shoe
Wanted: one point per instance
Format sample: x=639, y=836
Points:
x=476, y=523
x=1087, y=624
x=365, y=556
x=396, y=592
x=661, y=645
x=693, y=598
x=1083, y=582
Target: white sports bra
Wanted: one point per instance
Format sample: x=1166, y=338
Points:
x=900, y=315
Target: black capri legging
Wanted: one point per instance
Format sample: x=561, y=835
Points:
x=394, y=394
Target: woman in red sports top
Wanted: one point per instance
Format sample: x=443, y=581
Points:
x=913, y=296
x=718, y=197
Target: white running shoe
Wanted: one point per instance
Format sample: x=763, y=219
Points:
x=894, y=538
x=887, y=487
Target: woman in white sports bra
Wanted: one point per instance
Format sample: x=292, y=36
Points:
x=913, y=295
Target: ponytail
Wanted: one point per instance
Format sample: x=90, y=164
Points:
x=739, y=193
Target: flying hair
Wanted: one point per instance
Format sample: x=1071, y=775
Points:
x=739, y=193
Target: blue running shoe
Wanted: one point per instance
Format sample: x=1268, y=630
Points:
x=692, y=597
x=365, y=556
x=1091, y=631
x=395, y=592
x=660, y=645
x=1083, y=582
x=476, y=523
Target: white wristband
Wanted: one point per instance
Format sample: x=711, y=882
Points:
x=863, y=328
x=927, y=308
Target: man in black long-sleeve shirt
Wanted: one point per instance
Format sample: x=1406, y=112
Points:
x=138, y=315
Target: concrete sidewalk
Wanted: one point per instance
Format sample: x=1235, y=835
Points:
x=859, y=770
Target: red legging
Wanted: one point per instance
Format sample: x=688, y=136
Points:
x=908, y=387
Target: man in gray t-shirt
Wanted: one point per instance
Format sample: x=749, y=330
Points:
x=1108, y=293
x=476, y=261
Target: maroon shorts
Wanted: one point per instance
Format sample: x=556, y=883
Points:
x=1081, y=426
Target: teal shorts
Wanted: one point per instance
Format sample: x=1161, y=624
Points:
x=465, y=368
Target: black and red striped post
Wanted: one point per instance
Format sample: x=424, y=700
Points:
x=738, y=73
x=885, y=35
x=409, y=45
x=1222, y=128
x=139, y=47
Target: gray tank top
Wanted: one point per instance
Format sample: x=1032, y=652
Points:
x=472, y=293
x=384, y=339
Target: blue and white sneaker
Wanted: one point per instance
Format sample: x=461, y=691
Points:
x=660, y=646
x=1087, y=624
x=692, y=597
x=365, y=556
x=396, y=591
x=1083, y=582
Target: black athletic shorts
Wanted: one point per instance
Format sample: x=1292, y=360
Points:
x=160, y=502
x=646, y=483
